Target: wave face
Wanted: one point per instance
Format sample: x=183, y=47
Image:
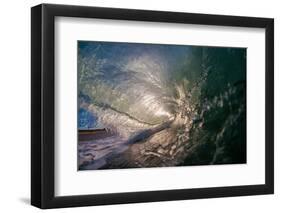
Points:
x=137, y=91
x=129, y=83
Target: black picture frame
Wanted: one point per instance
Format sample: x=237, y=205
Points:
x=43, y=102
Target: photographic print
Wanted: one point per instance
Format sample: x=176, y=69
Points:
x=142, y=95
x=160, y=105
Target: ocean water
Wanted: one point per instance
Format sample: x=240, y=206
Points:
x=164, y=105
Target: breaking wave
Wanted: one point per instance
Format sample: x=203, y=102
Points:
x=138, y=90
